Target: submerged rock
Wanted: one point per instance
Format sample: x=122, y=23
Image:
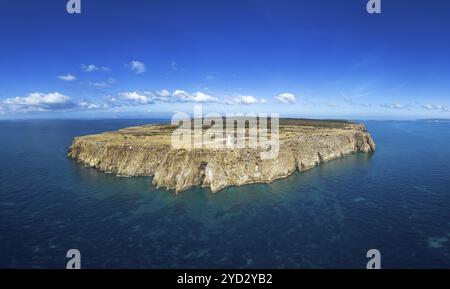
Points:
x=147, y=151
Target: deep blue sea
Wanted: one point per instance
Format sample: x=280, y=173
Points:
x=396, y=200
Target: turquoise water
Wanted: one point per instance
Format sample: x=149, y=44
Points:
x=396, y=200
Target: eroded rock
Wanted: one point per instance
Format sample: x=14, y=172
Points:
x=146, y=151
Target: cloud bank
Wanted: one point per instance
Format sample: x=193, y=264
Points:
x=38, y=102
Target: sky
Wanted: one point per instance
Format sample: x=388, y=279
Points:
x=143, y=58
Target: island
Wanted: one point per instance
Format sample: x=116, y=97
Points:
x=147, y=151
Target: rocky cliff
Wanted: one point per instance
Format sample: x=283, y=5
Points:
x=146, y=151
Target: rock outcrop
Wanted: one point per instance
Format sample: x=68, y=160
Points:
x=146, y=151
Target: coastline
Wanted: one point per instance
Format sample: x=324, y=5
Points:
x=146, y=151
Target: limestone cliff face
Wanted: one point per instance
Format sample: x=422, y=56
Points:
x=180, y=169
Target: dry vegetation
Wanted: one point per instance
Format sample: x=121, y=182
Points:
x=161, y=133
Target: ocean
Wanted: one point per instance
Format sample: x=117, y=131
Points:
x=396, y=200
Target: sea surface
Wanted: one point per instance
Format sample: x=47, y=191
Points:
x=396, y=200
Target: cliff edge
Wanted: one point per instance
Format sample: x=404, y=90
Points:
x=147, y=151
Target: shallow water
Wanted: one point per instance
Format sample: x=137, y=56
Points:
x=396, y=200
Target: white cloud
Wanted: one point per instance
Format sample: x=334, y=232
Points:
x=38, y=102
x=90, y=105
x=41, y=102
x=67, y=77
x=439, y=107
x=202, y=97
x=147, y=97
x=93, y=67
x=89, y=68
x=196, y=97
x=395, y=106
x=180, y=93
x=136, y=97
x=163, y=93
x=287, y=98
x=247, y=100
x=137, y=66
x=243, y=100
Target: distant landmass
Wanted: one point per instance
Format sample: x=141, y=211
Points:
x=435, y=120
x=147, y=151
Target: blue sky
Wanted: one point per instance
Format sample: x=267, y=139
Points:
x=321, y=58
